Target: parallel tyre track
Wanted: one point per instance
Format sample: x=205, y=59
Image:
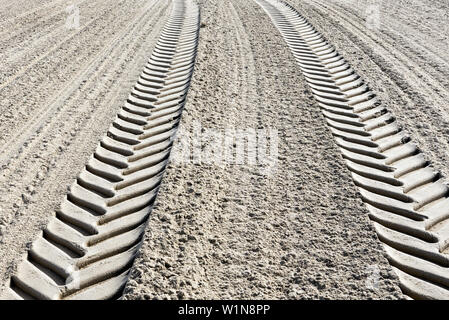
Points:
x=406, y=198
x=88, y=247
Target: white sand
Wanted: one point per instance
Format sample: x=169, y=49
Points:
x=218, y=232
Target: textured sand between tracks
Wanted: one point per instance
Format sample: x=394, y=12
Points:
x=231, y=232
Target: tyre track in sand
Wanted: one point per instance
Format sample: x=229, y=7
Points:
x=407, y=201
x=87, y=248
x=36, y=180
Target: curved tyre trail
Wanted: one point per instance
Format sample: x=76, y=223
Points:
x=406, y=198
x=87, y=249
